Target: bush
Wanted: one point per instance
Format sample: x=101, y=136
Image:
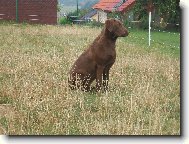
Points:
x=64, y=21
x=126, y=23
x=144, y=23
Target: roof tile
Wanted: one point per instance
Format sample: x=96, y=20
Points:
x=108, y=5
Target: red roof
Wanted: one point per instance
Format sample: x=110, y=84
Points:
x=106, y=5
x=127, y=5
x=111, y=5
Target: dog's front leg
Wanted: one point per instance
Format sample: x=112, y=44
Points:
x=99, y=77
x=106, y=78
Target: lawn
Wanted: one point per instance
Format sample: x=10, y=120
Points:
x=144, y=95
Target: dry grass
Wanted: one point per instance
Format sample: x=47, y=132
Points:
x=144, y=97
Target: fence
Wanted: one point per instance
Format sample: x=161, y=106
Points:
x=31, y=11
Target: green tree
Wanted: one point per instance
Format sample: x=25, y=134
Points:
x=168, y=9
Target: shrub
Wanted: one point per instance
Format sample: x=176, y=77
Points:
x=64, y=21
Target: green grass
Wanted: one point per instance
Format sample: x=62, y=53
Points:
x=144, y=96
x=164, y=43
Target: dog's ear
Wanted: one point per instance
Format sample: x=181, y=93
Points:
x=109, y=24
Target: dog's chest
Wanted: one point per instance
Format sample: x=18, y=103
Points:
x=105, y=56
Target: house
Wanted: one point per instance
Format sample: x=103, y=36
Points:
x=104, y=7
x=91, y=16
x=31, y=11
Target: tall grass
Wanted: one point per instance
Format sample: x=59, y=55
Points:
x=144, y=96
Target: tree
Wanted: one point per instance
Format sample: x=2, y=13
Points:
x=169, y=10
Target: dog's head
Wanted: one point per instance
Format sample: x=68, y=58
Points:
x=116, y=27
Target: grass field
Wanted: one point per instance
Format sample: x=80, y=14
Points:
x=144, y=96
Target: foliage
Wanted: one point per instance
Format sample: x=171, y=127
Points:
x=59, y=7
x=64, y=21
x=169, y=10
x=115, y=15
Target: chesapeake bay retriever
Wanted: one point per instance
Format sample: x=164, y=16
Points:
x=96, y=61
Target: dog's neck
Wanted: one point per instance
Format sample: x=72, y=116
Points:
x=109, y=35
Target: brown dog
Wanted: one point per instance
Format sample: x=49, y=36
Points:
x=96, y=61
